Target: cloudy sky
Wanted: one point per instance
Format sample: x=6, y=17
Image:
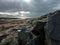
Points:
x=29, y=8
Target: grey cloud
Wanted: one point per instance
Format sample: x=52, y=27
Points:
x=37, y=7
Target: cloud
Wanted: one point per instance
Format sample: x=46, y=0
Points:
x=45, y=0
x=37, y=7
x=57, y=7
x=17, y=14
x=10, y=0
x=9, y=13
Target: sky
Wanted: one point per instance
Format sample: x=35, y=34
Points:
x=27, y=8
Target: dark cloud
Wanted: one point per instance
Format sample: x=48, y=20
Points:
x=36, y=7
